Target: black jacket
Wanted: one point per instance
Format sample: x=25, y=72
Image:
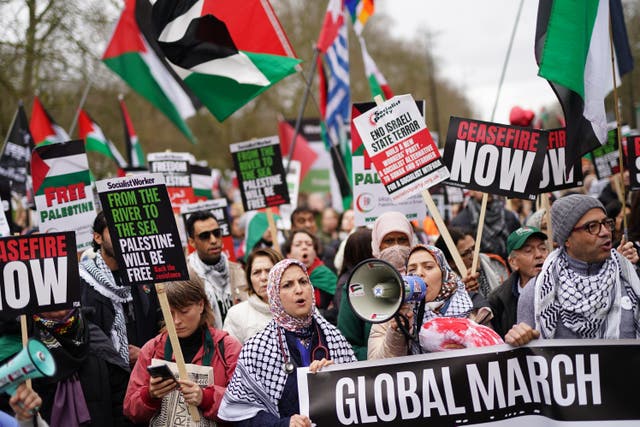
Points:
x=504, y=303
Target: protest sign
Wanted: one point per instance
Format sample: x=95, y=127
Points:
x=5, y=229
x=143, y=230
x=606, y=158
x=633, y=161
x=176, y=169
x=552, y=382
x=218, y=208
x=400, y=147
x=261, y=176
x=62, y=189
x=39, y=273
x=293, y=185
x=555, y=175
x=495, y=158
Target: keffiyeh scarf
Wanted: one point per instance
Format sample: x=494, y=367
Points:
x=98, y=275
x=216, y=285
x=259, y=379
x=590, y=306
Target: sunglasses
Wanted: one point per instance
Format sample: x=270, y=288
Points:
x=206, y=235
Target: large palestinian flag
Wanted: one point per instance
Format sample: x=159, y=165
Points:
x=62, y=188
x=180, y=55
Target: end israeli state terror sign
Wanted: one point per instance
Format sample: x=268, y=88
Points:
x=143, y=229
x=633, y=161
x=39, y=273
x=400, y=147
x=261, y=176
x=495, y=158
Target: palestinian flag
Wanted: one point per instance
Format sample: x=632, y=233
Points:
x=180, y=55
x=43, y=128
x=202, y=182
x=573, y=51
x=377, y=83
x=135, y=153
x=16, y=153
x=62, y=187
x=94, y=138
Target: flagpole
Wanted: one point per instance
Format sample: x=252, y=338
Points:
x=621, y=194
x=485, y=196
x=303, y=104
x=82, y=101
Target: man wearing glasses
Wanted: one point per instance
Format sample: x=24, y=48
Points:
x=585, y=289
x=210, y=263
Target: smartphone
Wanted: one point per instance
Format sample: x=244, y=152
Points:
x=161, y=371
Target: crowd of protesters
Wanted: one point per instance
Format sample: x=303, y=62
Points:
x=245, y=326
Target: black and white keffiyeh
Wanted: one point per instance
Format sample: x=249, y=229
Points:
x=98, y=275
x=259, y=379
x=216, y=285
x=590, y=306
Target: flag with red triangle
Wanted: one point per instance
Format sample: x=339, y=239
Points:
x=95, y=140
x=44, y=129
x=302, y=151
x=135, y=153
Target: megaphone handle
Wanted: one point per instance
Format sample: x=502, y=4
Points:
x=403, y=325
x=25, y=340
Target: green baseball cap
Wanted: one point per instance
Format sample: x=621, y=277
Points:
x=520, y=236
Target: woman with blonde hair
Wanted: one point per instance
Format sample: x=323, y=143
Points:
x=155, y=399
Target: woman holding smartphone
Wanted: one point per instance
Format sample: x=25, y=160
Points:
x=149, y=398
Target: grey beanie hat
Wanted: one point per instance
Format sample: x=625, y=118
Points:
x=567, y=211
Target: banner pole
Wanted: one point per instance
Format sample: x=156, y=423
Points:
x=476, y=250
x=273, y=230
x=175, y=343
x=25, y=339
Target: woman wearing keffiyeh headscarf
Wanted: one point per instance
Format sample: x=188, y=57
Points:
x=264, y=389
x=446, y=297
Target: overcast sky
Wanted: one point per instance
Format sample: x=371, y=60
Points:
x=470, y=40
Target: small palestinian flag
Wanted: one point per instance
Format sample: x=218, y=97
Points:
x=202, y=182
x=44, y=129
x=135, y=153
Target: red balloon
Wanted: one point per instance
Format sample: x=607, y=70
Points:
x=520, y=117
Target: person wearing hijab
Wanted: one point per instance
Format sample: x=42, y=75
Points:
x=392, y=235
x=446, y=297
x=264, y=390
x=151, y=399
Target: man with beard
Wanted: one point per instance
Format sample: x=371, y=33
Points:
x=128, y=315
x=585, y=289
x=210, y=263
x=527, y=251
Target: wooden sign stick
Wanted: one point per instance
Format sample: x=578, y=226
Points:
x=273, y=230
x=175, y=344
x=476, y=250
x=25, y=338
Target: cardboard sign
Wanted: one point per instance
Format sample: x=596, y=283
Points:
x=62, y=188
x=549, y=383
x=606, y=158
x=293, y=185
x=633, y=161
x=261, y=176
x=218, y=208
x=401, y=148
x=176, y=169
x=39, y=273
x=495, y=158
x=554, y=171
x=143, y=230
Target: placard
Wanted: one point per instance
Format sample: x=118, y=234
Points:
x=218, y=208
x=62, y=189
x=495, y=158
x=401, y=148
x=293, y=186
x=39, y=273
x=5, y=229
x=260, y=173
x=554, y=171
x=143, y=230
x=606, y=158
x=549, y=383
x=633, y=161
x=176, y=169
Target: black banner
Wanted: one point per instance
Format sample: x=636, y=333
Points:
x=633, y=161
x=261, y=176
x=16, y=152
x=143, y=229
x=495, y=158
x=39, y=273
x=562, y=380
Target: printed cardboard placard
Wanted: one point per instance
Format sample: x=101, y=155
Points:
x=606, y=158
x=633, y=161
x=400, y=147
x=261, y=176
x=293, y=185
x=495, y=158
x=555, y=175
x=176, y=169
x=218, y=208
x=39, y=273
x=143, y=230
x=548, y=383
x=62, y=189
